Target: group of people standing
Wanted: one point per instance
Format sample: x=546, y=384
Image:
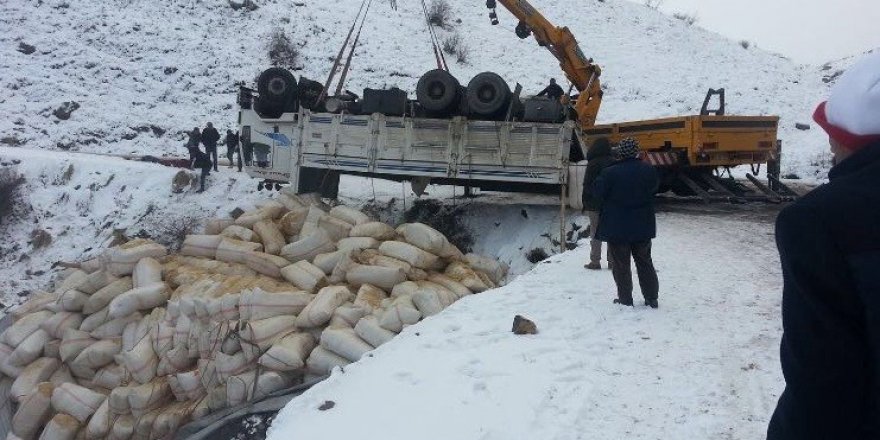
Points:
x=618, y=197
x=206, y=160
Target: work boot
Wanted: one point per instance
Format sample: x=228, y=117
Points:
x=623, y=303
x=593, y=266
x=652, y=303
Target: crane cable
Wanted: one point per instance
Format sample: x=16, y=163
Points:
x=435, y=42
x=351, y=54
x=338, y=59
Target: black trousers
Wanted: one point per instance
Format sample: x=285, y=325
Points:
x=212, y=151
x=192, y=155
x=205, y=172
x=621, y=268
x=230, y=150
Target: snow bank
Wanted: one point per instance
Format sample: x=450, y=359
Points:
x=705, y=365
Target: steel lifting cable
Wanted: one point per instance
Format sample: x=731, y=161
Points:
x=438, y=54
x=338, y=59
x=351, y=54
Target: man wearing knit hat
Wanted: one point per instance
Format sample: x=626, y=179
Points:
x=625, y=194
x=829, y=246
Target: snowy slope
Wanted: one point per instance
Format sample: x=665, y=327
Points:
x=703, y=366
x=80, y=199
x=144, y=71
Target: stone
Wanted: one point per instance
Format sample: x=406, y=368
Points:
x=183, y=180
x=524, y=326
x=40, y=238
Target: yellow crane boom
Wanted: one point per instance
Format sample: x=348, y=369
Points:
x=579, y=69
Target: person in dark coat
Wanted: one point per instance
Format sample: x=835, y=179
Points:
x=829, y=247
x=210, y=137
x=231, y=142
x=625, y=192
x=553, y=91
x=202, y=162
x=192, y=144
x=598, y=158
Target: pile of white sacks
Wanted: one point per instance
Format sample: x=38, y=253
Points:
x=137, y=342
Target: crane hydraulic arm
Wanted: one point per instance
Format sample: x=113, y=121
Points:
x=579, y=69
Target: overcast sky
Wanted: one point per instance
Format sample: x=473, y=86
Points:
x=807, y=31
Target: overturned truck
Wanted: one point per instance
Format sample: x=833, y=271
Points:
x=479, y=136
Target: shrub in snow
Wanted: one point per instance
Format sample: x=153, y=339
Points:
x=453, y=45
x=248, y=5
x=653, y=4
x=440, y=13
x=282, y=52
x=168, y=229
x=10, y=180
x=536, y=255
x=688, y=19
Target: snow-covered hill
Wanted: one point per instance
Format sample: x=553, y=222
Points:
x=144, y=71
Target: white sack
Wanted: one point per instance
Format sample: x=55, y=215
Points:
x=320, y=310
x=200, y=245
x=369, y=330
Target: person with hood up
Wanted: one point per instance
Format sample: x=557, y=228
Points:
x=203, y=162
x=231, y=142
x=192, y=144
x=598, y=158
x=625, y=192
x=829, y=248
x=210, y=137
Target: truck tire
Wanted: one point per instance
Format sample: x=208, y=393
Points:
x=308, y=94
x=276, y=86
x=438, y=91
x=488, y=94
x=268, y=110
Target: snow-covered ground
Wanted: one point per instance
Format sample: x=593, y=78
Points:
x=703, y=366
x=80, y=199
x=145, y=71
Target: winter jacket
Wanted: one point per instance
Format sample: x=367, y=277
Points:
x=598, y=158
x=829, y=247
x=202, y=160
x=210, y=137
x=231, y=140
x=625, y=192
x=553, y=91
x=194, y=138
